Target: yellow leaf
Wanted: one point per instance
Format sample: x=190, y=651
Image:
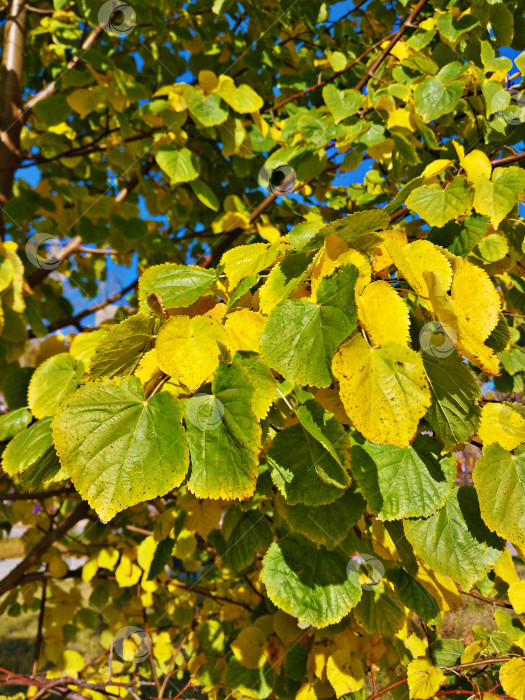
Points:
x=247, y=259
x=57, y=567
x=83, y=346
x=384, y=314
x=476, y=163
x=190, y=350
x=384, y=390
x=442, y=588
x=334, y=253
x=399, y=117
x=505, y=569
x=306, y=692
x=208, y=80
x=245, y=328
x=285, y=627
x=501, y=423
x=147, y=367
x=416, y=259
x=108, y=558
x=330, y=400
x=202, y=517
x=470, y=313
x=146, y=552
x=436, y=167
x=185, y=545
x=346, y=675
x=517, y=596
x=380, y=258
x=89, y=570
x=127, y=572
x=512, y=678
x=473, y=651
x=424, y=680
x=268, y=231
x=248, y=647
x=416, y=645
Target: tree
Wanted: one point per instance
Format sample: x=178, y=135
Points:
x=254, y=458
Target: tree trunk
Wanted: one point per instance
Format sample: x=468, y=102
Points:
x=11, y=101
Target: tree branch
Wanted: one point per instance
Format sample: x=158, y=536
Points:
x=45, y=543
x=397, y=36
x=11, y=101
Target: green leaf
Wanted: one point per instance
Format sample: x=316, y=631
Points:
x=455, y=541
x=454, y=414
x=412, y=594
x=250, y=682
x=41, y=470
x=437, y=205
x=402, y=482
x=14, y=422
x=250, y=535
x=341, y=104
x=207, y=110
x=496, y=197
x=27, y=447
x=320, y=425
x=309, y=582
x=242, y=98
x=452, y=28
x=224, y=437
x=283, y=280
x=499, y=478
x=461, y=239
x=327, y=525
x=258, y=374
x=432, y=99
x=303, y=470
x=205, y=194
x=380, y=612
x=502, y=23
x=179, y=165
x=118, y=447
x=497, y=98
x=354, y=225
x=119, y=351
x=176, y=285
x=246, y=260
x=300, y=338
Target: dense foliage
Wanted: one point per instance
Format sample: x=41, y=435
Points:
x=244, y=484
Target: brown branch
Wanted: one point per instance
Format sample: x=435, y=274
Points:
x=322, y=83
x=37, y=495
x=38, y=642
x=45, y=543
x=75, y=320
x=500, y=603
x=509, y=159
x=51, y=87
x=397, y=36
x=11, y=101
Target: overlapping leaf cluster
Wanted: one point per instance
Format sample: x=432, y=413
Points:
x=285, y=396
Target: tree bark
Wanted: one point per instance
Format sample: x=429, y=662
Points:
x=11, y=101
